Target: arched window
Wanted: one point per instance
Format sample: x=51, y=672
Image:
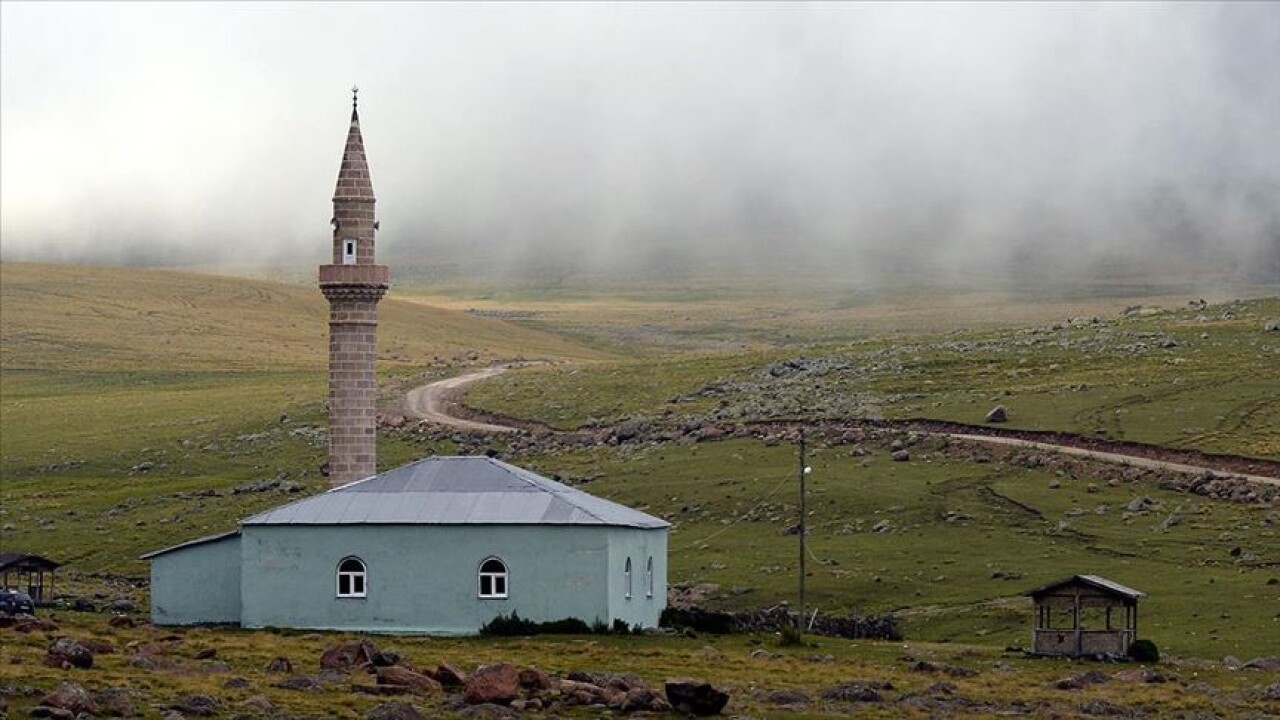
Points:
x=627, y=574
x=493, y=578
x=648, y=578
x=351, y=576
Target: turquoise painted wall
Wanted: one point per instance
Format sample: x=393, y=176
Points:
x=197, y=584
x=638, y=545
x=424, y=578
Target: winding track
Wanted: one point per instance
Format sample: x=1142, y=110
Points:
x=434, y=401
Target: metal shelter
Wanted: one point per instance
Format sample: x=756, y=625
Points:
x=29, y=573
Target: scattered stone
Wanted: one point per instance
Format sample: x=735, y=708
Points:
x=198, y=705
x=488, y=711
x=1142, y=675
x=71, y=697
x=852, y=692
x=67, y=653
x=206, y=654
x=997, y=414
x=532, y=678
x=394, y=711
x=787, y=697
x=1263, y=663
x=236, y=683
x=116, y=702
x=498, y=684
x=349, y=655
x=280, y=665
x=1098, y=706
x=900, y=456
x=298, y=682
x=450, y=676
x=258, y=705
x=121, y=621
x=1082, y=680
x=83, y=605
x=400, y=676
x=695, y=697
x=121, y=605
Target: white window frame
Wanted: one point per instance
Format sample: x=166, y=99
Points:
x=494, y=578
x=627, y=574
x=648, y=578
x=352, y=576
x=349, y=244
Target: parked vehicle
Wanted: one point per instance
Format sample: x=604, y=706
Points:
x=13, y=602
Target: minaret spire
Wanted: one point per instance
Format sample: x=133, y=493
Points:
x=353, y=285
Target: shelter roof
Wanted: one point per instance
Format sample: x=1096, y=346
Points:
x=1095, y=581
x=465, y=490
x=26, y=561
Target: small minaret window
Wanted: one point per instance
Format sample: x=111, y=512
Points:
x=349, y=251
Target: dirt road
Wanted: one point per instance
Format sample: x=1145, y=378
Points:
x=434, y=401
x=438, y=403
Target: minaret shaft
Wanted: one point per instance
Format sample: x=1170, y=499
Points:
x=353, y=284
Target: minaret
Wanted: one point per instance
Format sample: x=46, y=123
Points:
x=353, y=284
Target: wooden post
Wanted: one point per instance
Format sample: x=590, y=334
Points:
x=1075, y=620
x=801, y=617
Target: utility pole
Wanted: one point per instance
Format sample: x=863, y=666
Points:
x=804, y=470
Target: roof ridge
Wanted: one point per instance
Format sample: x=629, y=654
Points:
x=509, y=468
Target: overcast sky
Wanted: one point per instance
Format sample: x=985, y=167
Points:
x=854, y=135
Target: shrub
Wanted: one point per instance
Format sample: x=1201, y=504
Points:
x=1144, y=651
x=513, y=625
x=791, y=636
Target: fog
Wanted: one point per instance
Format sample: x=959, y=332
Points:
x=857, y=138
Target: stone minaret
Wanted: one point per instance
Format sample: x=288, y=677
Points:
x=353, y=284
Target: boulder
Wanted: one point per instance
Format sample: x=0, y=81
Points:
x=997, y=414
x=642, y=699
x=280, y=665
x=577, y=692
x=406, y=678
x=450, y=676
x=116, y=702
x=900, y=456
x=787, y=697
x=197, y=705
x=66, y=652
x=394, y=711
x=1263, y=663
x=852, y=692
x=695, y=697
x=531, y=678
x=71, y=697
x=349, y=655
x=499, y=684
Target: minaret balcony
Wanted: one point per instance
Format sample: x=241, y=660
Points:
x=370, y=275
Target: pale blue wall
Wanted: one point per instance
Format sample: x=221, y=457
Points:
x=639, y=545
x=424, y=578
x=197, y=584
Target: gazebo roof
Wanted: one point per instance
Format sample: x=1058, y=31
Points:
x=1094, y=581
x=26, y=561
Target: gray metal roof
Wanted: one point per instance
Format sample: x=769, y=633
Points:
x=1096, y=581
x=189, y=543
x=456, y=491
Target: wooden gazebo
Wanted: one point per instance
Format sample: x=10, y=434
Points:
x=1074, y=617
x=28, y=574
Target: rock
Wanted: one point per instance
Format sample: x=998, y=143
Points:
x=787, y=697
x=900, y=456
x=997, y=414
x=298, y=682
x=386, y=658
x=71, y=697
x=531, y=678
x=206, y=654
x=450, y=676
x=488, y=711
x=42, y=711
x=498, y=684
x=98, y=647
x=394, y=711
x=280, y=665
x=66, y=652
x=198, y=705
x=121, y=621
x=116, y=702
x=695, y=697
x=1082, y=680
x=236, y=683
x=577, y=692
x=258, y=705
x=761, y=654
x=404, y=677
x=852, y=692
x=349, y=655
x=1098, y=706
x=1142, y=675
x=121, y=605
x=1140, y=504
x=1263, y=663
x=1231, y=662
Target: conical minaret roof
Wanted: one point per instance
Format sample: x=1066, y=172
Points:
x=354, y=182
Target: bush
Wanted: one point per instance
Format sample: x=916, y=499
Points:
x=513, y=625
x=791, y=636
x=707, y=621
x=1144, y=651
